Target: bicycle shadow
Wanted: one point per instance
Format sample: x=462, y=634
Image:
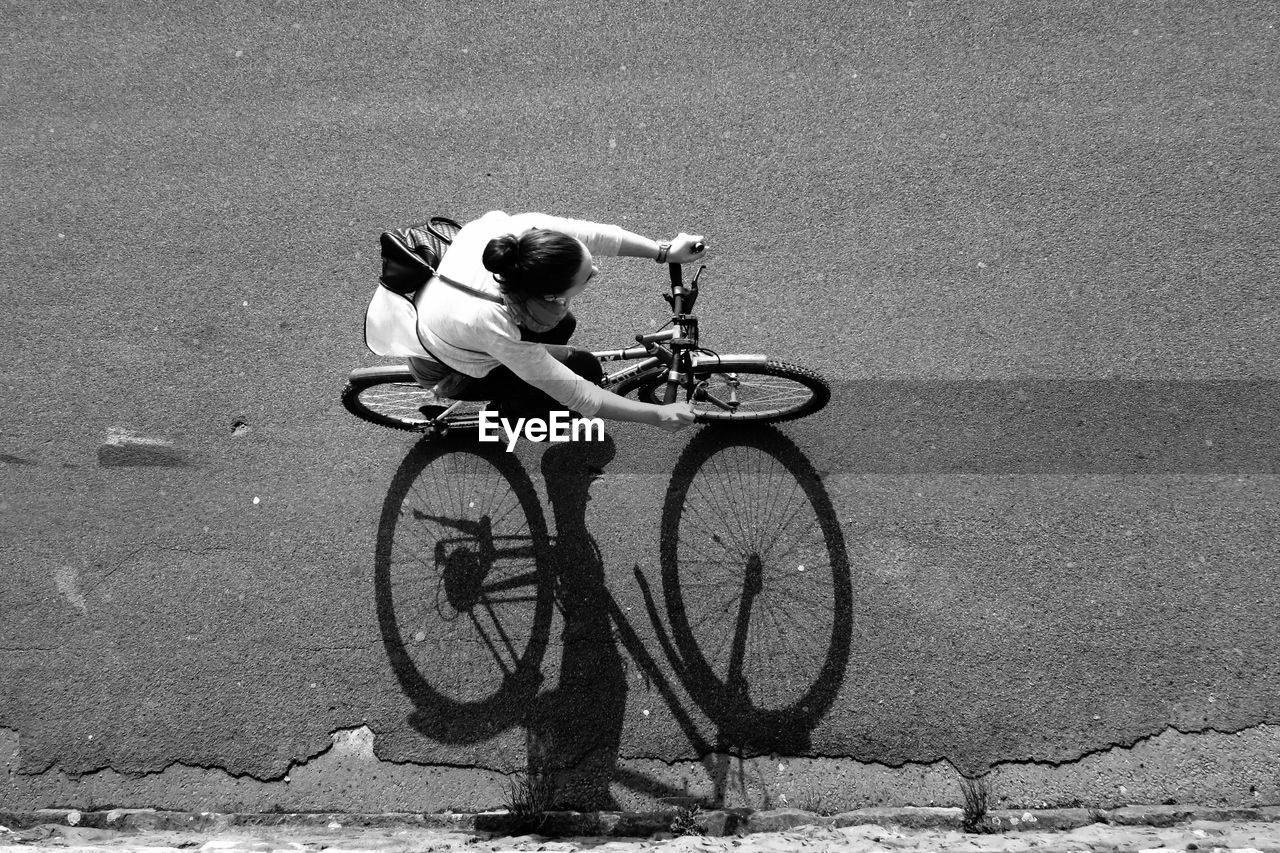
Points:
x=757, y=595
x=462, y=589
x=472, y=592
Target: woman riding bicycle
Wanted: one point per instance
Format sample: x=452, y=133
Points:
x=496, y=317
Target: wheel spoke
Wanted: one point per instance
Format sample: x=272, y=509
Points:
x=493, y=648
x=398, y=400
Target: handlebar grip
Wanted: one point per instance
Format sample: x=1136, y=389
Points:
x=677, y=277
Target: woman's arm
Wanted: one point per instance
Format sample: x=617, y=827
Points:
x=533, y=363
x=604, y=239
x=637, y=246
x=681, y=250
x=671, y=417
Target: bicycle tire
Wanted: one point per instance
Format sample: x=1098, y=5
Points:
x=389, y=397
x=766, y=402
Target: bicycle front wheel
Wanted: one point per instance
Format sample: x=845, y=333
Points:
x=388, y=396
x=762, y=393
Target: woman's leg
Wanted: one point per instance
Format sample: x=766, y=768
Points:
x=427, y=371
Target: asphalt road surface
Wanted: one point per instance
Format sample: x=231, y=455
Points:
x=1032, y=246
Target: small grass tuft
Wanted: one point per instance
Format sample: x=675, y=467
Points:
x=977, y=800
x=529, y=798
x=685, y=821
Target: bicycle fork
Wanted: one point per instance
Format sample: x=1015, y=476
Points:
x=700, y=392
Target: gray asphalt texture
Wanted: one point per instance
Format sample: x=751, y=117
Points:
x=1033, y=247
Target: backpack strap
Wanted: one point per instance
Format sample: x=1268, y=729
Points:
x=466, y=289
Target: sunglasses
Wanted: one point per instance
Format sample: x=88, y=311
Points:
x=564, y=300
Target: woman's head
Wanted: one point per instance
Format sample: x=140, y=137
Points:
x=538, y=262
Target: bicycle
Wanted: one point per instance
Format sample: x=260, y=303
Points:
x=723, y=388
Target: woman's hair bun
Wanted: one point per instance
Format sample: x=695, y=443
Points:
x=537, y=262
x=502, y=255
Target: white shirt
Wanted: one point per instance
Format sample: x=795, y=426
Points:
x=473, y=335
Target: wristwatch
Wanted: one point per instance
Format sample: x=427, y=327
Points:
x=663, y=249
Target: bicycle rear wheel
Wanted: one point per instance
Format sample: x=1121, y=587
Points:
x=761, y=393
x=389, y=396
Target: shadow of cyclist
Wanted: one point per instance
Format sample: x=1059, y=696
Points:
x=575, y=729
x=754, y=629
x=468, y=586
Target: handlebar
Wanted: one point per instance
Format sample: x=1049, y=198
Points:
x=677, y=276
x=685, y=335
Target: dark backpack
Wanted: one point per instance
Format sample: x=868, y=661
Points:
x=410, y=255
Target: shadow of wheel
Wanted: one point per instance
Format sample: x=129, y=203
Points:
x=464, y=595
x=757, y=588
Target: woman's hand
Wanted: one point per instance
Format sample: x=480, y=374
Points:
x=671, y=417
x=674, y=417
x=683, y=248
